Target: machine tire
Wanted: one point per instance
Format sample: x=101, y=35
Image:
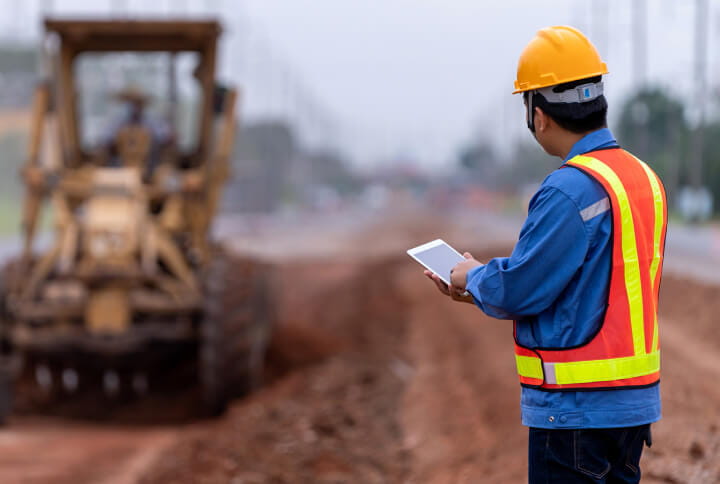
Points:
x=7, y=384
x=234, y=332
x=6, y=395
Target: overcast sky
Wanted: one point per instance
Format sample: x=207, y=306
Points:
x=412, y=78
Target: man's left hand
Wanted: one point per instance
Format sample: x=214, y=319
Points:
x=458, y=275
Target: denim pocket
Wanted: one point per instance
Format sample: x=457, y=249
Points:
x=634, y=450
x=589, y=454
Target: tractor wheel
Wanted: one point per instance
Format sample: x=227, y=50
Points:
x=234, y=332
x=8, y=276
x=6, y=394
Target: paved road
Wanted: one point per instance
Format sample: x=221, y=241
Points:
x=691, y=251
x=694, y=252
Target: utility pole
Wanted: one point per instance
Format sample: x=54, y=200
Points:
x=181, y=7
x=639, y=29
x=212, y=6
x=119, y=6
x=696, y=201
x=579, y=13
x=600, y=16
x=696, y=154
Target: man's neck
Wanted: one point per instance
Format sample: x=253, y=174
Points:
x=566, y=143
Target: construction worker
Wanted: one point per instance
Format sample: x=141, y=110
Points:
x=134, y=101
x=582, y=282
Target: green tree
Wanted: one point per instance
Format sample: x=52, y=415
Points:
x=477, y=156
x=653, y=126
x=711, y=161
x=529, y=165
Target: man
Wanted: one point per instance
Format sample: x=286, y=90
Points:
x=135, y=115
x=582, y=282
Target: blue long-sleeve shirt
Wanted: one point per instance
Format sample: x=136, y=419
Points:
x=555, y=284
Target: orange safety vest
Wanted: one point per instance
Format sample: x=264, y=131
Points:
x=625, y=352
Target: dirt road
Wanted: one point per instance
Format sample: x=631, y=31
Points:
x=376, y=379
x=41, y=450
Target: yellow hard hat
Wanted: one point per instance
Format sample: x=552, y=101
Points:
x=557, y=55
x=132, y=94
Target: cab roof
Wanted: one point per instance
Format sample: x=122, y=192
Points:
x=135, y=35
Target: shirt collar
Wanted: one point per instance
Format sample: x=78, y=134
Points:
x=602, y=138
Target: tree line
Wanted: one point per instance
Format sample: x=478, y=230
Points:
x=653, y=124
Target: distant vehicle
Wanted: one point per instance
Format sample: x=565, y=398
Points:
x=131, y=270
x=695, y=204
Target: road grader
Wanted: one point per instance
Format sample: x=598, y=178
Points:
x=130, y=268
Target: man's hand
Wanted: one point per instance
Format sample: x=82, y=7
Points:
x=456, y=293
x=458, y=274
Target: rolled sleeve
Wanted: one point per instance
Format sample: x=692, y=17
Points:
x=551, y=248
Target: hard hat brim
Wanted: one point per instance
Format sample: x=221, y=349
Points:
x=563, y=81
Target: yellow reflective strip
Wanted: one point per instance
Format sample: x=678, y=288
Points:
x=633, y=284
x=657, y=256
x=529, y=366
x=659, y=216
x=607, y=370
x=656, y=334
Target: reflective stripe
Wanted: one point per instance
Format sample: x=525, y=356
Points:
x=595, y=209
x=633, y=284
x=605, y=370
x=591, y=371
x=657, y=256
x=550, y=376
x=529, y=366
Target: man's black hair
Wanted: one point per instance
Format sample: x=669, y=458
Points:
x=574, y=117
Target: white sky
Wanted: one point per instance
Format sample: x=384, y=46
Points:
x=411, y=78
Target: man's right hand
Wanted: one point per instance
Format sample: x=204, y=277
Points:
x=455, y=293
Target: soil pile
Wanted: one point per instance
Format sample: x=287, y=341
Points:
x=420, y=389
x=686, y=445
x=333, y=420
x=372, y=377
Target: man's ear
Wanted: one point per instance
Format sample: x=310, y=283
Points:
x=542, y=120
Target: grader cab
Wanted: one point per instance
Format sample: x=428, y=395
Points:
x=130, y=147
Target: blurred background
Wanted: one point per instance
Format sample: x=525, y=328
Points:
x=365, y=128
x=342, y=101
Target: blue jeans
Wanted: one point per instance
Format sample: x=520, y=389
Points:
x=597, y=456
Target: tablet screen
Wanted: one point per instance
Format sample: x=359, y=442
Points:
x=439, y=259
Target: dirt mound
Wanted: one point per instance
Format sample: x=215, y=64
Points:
x=333, y=421
x=420, y=389
x=687, y=439
x=372, y=377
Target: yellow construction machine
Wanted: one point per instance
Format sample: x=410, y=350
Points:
x=129, y=149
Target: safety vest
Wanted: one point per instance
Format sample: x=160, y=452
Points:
x=625, y=351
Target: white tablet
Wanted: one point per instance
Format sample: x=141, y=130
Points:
x=438, y=257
